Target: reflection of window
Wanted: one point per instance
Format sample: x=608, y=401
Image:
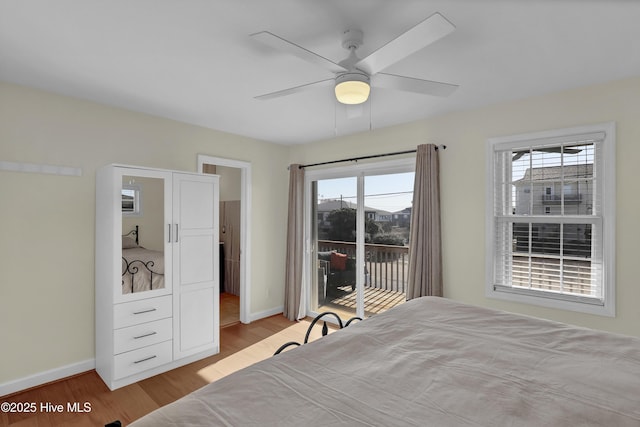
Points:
x=131, y=200
x=563, y=260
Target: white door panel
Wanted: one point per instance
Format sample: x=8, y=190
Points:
x=196, y=259
x=195, y=203
x=197, y=322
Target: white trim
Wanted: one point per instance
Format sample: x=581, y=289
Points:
x=266, y=313
x=245, y=227
x=45, y=377
x=551, y=137
x=40, y=168
x=308, y=247
x=375, y=168
x=360, y=242
x=608, y=132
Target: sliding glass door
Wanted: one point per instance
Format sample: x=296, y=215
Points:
x=358, y=230
x=334, y=243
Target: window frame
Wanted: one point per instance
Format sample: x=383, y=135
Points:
x=608, y=185
x=137, y=200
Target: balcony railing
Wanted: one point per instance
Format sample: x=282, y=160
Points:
x=556, y=199
x=386, y=266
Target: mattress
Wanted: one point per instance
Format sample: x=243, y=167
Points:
x=430, y=362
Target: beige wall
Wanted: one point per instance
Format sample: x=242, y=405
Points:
x=463, y=184
x=47, y=221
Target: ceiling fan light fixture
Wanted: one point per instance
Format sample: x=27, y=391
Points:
x=352, y=88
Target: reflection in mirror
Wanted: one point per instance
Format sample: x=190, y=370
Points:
x=131, y=203
x=142, y=234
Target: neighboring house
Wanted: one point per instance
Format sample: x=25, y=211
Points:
x=402, y=218
x=325, y=207
x=540, y=192
x=379, y=216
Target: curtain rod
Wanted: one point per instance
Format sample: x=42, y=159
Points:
x=373, y=156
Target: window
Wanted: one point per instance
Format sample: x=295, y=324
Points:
x=550, y=218
x=131, y=200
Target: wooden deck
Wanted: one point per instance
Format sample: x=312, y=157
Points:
x=375, y=301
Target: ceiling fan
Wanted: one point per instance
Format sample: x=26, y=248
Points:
x=353, y=76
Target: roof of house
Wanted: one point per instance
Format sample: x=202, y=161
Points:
x=332, y=205
x=554, y=173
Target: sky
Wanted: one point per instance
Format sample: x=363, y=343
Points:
x=385, y=192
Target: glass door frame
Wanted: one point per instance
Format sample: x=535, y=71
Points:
x=358, y=171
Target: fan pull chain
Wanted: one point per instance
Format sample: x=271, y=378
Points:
x=335, y=118
x=370, y=108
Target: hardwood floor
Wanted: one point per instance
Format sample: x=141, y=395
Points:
x=240, y=346
x=229, y=309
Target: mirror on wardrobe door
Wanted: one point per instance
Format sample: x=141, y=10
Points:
x=142, y=234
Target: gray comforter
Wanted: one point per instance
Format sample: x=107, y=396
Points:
x=430, y=362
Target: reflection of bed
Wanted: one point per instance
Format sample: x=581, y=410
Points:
x=142, y=269
x=430, y=361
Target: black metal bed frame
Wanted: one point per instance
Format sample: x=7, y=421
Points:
x=133, y=267
x=325, y=329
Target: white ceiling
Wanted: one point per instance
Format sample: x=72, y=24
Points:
x=193, y=60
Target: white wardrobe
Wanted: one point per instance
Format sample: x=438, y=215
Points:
x=157, y=280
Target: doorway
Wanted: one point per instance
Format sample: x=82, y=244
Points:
x=235, y=179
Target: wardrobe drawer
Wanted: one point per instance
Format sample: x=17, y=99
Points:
x=139, y=360
x=138, y=336
x=141, y=311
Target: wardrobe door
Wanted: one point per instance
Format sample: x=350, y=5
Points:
x=195, y=263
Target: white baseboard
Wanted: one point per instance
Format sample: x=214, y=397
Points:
x=266, y=313
x=46, y=377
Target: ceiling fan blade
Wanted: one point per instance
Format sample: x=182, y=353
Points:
x=426, y=32
x=518, y=154
x=296, y=89
x=277, y=42
x=409, y=84
x=564, y=150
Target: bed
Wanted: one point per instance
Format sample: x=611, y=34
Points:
x=430, y=362
x=142, y=269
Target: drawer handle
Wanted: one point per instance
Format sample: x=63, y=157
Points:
x=144, y=336
x=144, y=360
x=145, y=311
